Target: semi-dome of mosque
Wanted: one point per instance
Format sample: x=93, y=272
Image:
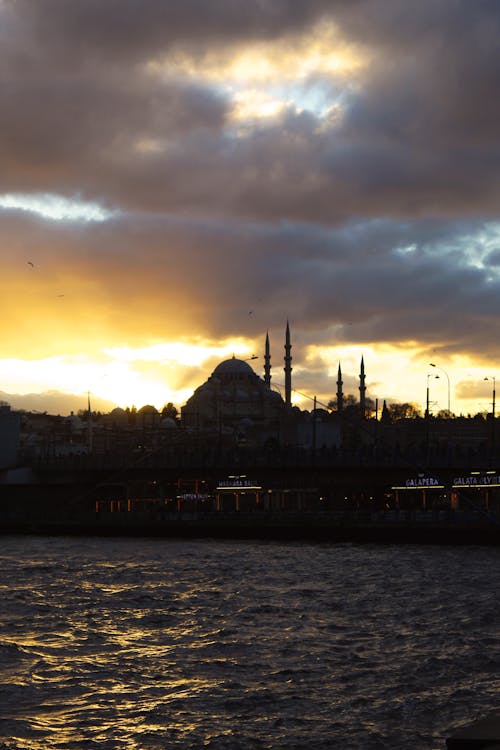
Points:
x=119, y=416
x=75, y=422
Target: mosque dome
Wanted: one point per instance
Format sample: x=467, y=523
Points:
x=119, y=416
x=233, y=366
x=148, y=409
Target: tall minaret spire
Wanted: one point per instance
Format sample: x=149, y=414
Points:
x=288, y=367
x=362, y=390
x=340, y=395
x=89, y=423
x=267, y=363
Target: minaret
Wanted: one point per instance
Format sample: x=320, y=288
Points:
x=288, y=367
x=362, y=390
x=267, y=363
x=89, y=423
x=340, y=395
x=386, y=416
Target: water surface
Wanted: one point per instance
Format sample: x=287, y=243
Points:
x=144, y=644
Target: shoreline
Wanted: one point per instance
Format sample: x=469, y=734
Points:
x=262, y=526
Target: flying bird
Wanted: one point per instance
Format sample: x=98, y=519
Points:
x=30, y=263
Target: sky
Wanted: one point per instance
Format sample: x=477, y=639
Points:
x=177, y=179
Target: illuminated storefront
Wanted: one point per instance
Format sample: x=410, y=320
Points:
x=429, y=492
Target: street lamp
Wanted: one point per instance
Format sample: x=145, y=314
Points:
x=429, y=375
x=493, y=416
x=447, y=378
x=494, y=392
x=427, y=417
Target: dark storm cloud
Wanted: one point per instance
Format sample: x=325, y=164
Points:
x=354, y=224
x=74, y=132
x=419, y=134
x=134, y=29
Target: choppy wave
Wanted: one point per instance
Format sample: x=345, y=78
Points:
x=147, y=644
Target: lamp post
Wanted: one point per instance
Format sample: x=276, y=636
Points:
x=447, y=378
x=493, y=395
x=427, y=418
x=429, y=375
x=493, y=415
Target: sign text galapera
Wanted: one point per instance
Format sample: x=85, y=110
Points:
x=474, y=480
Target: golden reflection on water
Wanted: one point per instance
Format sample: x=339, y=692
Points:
x=264, y=646
x=118, y=710
x=107, y=707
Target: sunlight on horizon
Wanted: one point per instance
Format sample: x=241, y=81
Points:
x=180, y=352
x=171, y=372
x=122, y=375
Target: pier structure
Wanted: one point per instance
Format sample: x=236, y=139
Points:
x=479, y=735
x=317, y=502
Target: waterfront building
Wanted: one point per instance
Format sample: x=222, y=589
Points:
x=9, y=436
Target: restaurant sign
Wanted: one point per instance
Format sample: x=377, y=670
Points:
x=477, y=480
x=423, y=482
x=473, y=480
x=238, y=483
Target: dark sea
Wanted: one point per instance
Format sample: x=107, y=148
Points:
x=147, y=643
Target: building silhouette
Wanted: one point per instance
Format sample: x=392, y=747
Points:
x=244, y=417
x=234, y=402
